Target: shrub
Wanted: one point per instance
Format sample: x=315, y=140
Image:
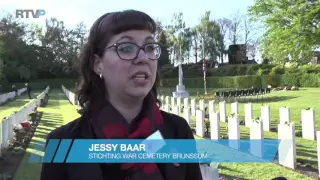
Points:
x=241, y=82
x=277, y=70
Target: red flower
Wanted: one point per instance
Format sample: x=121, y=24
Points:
x=114, y=131
x=300, y=121
x=25, y=124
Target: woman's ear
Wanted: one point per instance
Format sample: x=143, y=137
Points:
x=97, y=65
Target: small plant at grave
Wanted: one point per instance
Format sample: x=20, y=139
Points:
x=232, y=114
x=207, y=125
x=287, y=123
x=298, y=133
x=33, y=117
x=257, y=119
x=19, y=134
x=242, y=122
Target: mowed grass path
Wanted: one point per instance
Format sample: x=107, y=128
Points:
x=58, y=112
x=9, y=107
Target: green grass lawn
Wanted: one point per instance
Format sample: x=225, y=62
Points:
x=12, y=106
x=58, y=112
x=306, y=149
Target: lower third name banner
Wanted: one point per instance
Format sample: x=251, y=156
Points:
x=159, y=151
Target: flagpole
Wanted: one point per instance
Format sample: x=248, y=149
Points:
x=204, y=68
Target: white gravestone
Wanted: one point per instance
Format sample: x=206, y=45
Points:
x=256, y=138
x=211, y=106
x=175, y=110
x=234, y=108
x=173, y=102
x=214, y=119
x=167, y=100
x=318, y=151
x=209, y=173
x=178, y=101
x=193, y=107
x=308, y=123
x=186, y=114
x=234, y=132
x=222, y=111
x=284, y=113
x=265, y=116
x=201, y=104
x=186, y=102
x=287, y=146
x=200, y=123
x=248, y=114
x=166, y=108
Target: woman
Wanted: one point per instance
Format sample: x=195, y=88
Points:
x=118, y=97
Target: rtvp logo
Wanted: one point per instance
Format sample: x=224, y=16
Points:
x=24, y=13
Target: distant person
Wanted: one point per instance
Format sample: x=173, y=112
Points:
x=15, y=89
x=118, y=93
x=28, y=90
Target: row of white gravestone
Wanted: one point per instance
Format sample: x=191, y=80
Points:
x=7, y=124
x=286, y=129
x=308, y=119
x=286, y=135
x=5, y=97
x=70, y=95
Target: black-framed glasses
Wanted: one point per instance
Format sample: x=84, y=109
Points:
x=130, y=51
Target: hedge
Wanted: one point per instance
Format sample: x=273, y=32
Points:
x=195, y=70
x=40, y=84
x=239, y=82
x=293, y=79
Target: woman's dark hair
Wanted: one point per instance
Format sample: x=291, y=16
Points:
x=91, y=88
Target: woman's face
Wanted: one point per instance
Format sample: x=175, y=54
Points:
x=133, y=78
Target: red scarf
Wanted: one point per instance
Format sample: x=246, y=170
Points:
x=108, y=123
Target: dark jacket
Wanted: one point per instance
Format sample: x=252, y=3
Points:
x=175, y=127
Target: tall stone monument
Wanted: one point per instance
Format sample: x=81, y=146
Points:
x=180, y=91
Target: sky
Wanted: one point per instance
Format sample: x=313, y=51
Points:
x=74, y=11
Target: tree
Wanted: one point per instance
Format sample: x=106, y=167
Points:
x=236, y=26
x=224, y=26
x=252, y=48
x=209, y=33
x=164, y=58
x=292, y=28
x=29, y=51
x=178, y=40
